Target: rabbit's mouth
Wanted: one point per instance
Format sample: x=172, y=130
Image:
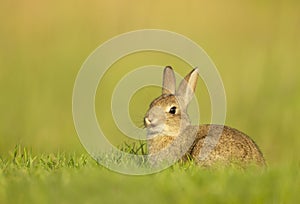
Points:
x=153, y=131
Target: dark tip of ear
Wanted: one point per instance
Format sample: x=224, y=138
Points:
x=196, y=69
x=168, y=67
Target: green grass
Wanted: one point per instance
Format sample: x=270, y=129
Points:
x=72, y=178
x=254, y=44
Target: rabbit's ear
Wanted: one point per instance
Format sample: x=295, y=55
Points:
x=188, y=85
x=169, y=81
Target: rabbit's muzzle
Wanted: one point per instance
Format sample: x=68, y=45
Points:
x=154, y=120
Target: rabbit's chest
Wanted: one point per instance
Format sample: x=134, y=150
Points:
x=158, y=143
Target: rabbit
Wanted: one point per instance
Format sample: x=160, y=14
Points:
x=169, y=130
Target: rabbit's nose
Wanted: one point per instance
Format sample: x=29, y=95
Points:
x=147, y=121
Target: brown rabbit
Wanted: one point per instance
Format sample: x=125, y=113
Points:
x=171, y=134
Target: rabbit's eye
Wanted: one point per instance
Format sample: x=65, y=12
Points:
x=172, y=110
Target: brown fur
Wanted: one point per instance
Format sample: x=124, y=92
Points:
x=205, y=144
x=233, y=146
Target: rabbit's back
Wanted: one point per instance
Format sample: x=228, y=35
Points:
x=216, y=143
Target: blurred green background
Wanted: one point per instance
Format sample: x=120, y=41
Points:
x=254, y=44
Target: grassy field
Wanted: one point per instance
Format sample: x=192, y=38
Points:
x=71, y=178
x=254, y=44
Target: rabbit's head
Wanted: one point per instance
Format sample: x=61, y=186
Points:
x=167, y=114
